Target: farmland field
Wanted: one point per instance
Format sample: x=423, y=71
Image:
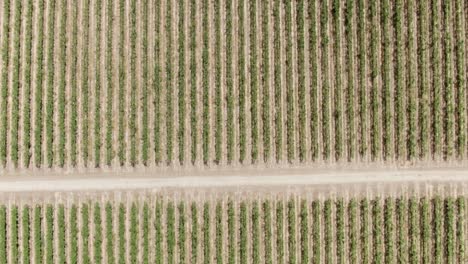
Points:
x=208, y=227
x=106, y=83
x=243, y=131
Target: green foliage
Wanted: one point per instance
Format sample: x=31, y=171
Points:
x=85, y=82
x=388, y=100
x=255, y=233
x=426, y=230
x=146, y=230
x=26, y=87
x=74, y=87
x=402, y=219
x=157, y=84
x=353, y=231
x=340, y=231
x=122, y=239
x=438, y=222
x=268, y=232
x=49, y=235
x=25, y=234
x=13, y=235
x=61, y=235
x=291, y=231
x=15, y=112
x=74, y=233
x=159, y=234
x=389, y=225
x=265, y=78
x=121, y=84
x=62, y=81
x=351, y=91
x=449, y=81
x=400, y=82
x=4, y=83
x=316, y=233
x=85, y=233
x=109, y=234
x=98, y=86
x=241, y=81
x=277, y=80
x=326, y=97
x=377, y=231
x=181, y=83
x=304, y=218
x=193, y=80
x=205, y=83
x=109, y=84
x=181, y=233
x=169, y=86
x=206, y=234
x=460, y=57
x=338, y=84
x=243, y=233
x=450, y=225
x=229, y=84
x=289, y=83
x=37, y=233
x=219, y=233
x=194, y=234
x=424, y=77
x=49, y=107
x=3, y=234
x=134, y=238
x=414, y=232
x=461, y=229
x=412, y=81
x=218, y=86
x=133, y=81
x=328, y=234
x=279, y=232
x=364, y=231
x=362, y=68
x=145, y=82
x=170, y=232
x=253, y=80
x=314, y=75
x=301, y=79
x=97, y=239
x=375, y=75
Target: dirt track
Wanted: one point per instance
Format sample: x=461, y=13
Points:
x=274, y=178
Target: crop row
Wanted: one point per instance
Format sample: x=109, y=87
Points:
x=231, y=82
x=293, y=230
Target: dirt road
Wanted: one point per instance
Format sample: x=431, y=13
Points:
x=276, y=178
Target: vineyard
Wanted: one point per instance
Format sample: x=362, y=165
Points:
x=162, y=82
x=272, y=228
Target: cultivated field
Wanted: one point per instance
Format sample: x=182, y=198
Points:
x=424, y=224
x=164, y=82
